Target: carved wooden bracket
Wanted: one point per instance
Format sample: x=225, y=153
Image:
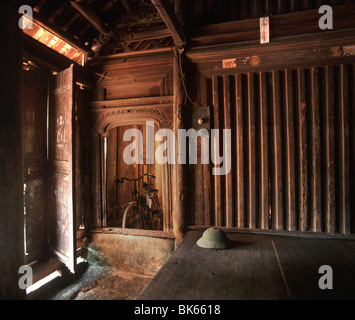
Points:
x=107, y=115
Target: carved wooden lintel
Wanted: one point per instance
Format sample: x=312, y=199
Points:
x=107, y=115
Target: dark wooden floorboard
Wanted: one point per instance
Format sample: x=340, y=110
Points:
x=255, y=267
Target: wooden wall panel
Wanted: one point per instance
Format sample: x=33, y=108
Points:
x=217, y=11
x=292, y=157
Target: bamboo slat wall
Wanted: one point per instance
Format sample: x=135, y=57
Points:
x=292, y=151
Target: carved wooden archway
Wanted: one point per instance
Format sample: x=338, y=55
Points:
x=107, y=115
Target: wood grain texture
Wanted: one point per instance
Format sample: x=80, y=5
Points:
x=302, y=132
x=316, y=174
x=251, y=154
x=263, y=166
x=290, y=145
x=239, y=164
x=292, y=155
x=254, y=267
x=277, y=154
x=329, y=147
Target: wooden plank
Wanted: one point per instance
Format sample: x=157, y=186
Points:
x=198, y=209
x=277, y=152
x=290, y=178
x=301, y=259
x=264, y=153
x=316, y=173
x=228, y=178
x=247, y=270
x=344, y=145
x=217, y=186
x=251, y=134
x=240, y=184
x=329, y=146
x=281, y=25
x=61, y=230
x=302, y=152
x=206, y=168
x=161, y=284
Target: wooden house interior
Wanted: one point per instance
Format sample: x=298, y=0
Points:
x=87, y=85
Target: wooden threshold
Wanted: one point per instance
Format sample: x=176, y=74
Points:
x=135, y=232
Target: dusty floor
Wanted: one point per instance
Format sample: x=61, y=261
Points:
x=101, y=283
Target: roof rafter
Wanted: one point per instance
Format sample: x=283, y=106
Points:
x=170, y=19
x=90, y=15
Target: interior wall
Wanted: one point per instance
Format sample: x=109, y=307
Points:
x=292, y=150
x=133, y=85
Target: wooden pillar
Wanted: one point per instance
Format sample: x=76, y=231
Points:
x=179, y=170
x=11, y=157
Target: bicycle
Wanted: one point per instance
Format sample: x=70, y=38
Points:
x=144, y=212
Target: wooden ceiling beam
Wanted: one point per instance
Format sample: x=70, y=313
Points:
x=89, y=15
x=169, y=17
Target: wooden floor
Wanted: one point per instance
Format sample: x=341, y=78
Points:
x=255, y=267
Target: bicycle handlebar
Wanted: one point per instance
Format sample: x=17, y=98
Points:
x=122, y=180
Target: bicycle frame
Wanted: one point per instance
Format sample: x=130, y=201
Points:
x=144, y=208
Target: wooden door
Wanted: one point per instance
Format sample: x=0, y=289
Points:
x=34, y=90
x=61, y=220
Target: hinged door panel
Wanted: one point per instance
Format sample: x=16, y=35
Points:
x=61, y=174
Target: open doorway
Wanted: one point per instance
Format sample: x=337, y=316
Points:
x=134, y=192
x=55, y=170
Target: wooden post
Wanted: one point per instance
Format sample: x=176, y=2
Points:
x=179, y=170
x=179, y=183
x=11, y=157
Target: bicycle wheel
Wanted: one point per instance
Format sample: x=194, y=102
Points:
x=157, y=214
x=132, y=217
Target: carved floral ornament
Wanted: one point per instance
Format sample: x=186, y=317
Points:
x=106, y=119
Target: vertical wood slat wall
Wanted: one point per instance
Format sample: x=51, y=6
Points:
x=292, y=151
